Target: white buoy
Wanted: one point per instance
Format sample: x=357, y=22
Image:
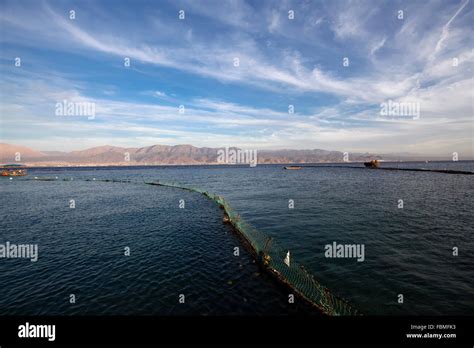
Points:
x=287, y=259
x=56, y=178
x=36, y=177
x=11, y=178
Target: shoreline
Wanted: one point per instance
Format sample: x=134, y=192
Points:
x=303, y=164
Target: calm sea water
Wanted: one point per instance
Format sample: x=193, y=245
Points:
x=190, y=251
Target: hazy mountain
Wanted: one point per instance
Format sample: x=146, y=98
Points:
x=310, y=156
x=16, y=153
x=164, y=154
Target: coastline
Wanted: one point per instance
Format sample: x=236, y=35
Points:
x=33, y=165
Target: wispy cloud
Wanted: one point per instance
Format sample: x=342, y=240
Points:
x=445, y=31
x=378, y=45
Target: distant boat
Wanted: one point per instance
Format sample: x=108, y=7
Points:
x=292, y=167
x=372, y=164
x=13, y=170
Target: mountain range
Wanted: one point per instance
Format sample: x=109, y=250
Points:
x=164, y=155
x=108, y=155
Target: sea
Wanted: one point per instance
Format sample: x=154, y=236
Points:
x=117, y=248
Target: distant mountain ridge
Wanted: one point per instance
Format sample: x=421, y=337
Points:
x=164, y=155
x=10, y=153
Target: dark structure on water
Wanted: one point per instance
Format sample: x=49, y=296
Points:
x=372, y=164
x=13, y=170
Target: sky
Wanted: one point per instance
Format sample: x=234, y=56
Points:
x=238, y=69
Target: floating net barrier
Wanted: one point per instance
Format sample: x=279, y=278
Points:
x=274, y=258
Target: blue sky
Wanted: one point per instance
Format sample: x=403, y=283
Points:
x=282, y=62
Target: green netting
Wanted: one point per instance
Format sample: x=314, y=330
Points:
x=270, y=254
x=273, y=256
